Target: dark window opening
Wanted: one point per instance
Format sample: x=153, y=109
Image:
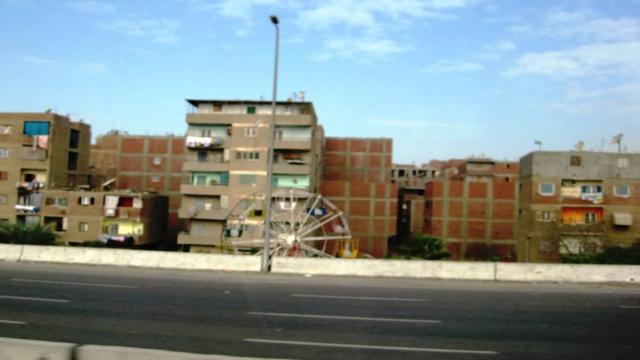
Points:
x=72, y=163
x=74, y=139
x=56, y=223
x=251, y=109
x=202, y=156
x=574, y=161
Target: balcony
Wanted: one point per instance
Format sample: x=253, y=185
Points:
x=288, y=168
x=293, y=143
x=205, y=143
x=30, y=153
x=205, y=190
x=222, y=118
x=213, y=214
x=208, y=240
x=204, y=166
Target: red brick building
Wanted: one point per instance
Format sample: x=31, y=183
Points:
x=357, y=179
x=143, y=163
x=473, y=206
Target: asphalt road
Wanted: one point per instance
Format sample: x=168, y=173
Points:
x=317, y=317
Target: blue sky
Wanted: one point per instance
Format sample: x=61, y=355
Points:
x=443, y=78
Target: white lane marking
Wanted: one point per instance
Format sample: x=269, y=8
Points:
x=10, y=297
x=629, y=307
x=75, y=283
x=356, y=297
x=12, y=322
x=336, y=317
x=372, y=347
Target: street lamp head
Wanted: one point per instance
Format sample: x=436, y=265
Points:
x=274, y=19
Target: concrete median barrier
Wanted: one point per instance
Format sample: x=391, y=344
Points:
x=386, y=268
x=580, y=273
x=19, y=349
x=9, y=252
x=94, y=352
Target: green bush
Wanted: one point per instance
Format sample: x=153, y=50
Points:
x=27, y=234
x=421, y=247
x=613, y=255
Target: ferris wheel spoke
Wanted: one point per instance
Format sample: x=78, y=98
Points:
x=325, y=221
x=307, y=211
x=322, y=238
x=314, y=251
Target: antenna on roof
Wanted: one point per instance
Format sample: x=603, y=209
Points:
x=538, y=143
x=617, y=139
x=301, y=95
x=48, y=111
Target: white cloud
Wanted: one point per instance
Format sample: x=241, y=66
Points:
x=369, y=47
x=36, y=60
x=96, y=7
x=156, y=30
x=444, y=66
x=587, y=25
x=588, y=60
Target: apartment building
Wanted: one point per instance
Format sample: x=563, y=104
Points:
x=118, y=217
x=226, y=156
x=142, y=163
x=39, y=151
x=574, y=202
x=473, y=208
x=357, y=179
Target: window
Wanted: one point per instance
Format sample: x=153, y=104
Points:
x=4, y=176
x=72, y=163
x=621, y=190
x=202, y=156
x=35, y=128
x=250, y=132
x=590, y=218
x=248, y=179
x=5, y=153
x=83, y=227
x=623, y=163
x=112, y=229
x=86, y=200
x=155, y=178
x=546, y=216
x=200, y=180
x=205, y=132
x=217, y=107
x=251, y=109
x=4, y=199
x=74, y=139
x=591, y=189
x=56, y=223
x=547, y=189
x=6, y=129
x=212, y=178
x=56, y=201
x=247, y=155
x=575, y=161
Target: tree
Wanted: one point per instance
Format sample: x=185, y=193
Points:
x=23, y=234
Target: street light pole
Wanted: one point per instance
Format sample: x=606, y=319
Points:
x=266, y=256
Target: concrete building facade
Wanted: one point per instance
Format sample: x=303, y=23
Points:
x=473, y=208
x=226, y=160
x=575, y=202
x=143, y=163
x=40, y=151
x=357, y=178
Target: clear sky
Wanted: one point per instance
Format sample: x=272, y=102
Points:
x=443, y=78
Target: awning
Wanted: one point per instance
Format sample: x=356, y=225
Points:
x=623, y=219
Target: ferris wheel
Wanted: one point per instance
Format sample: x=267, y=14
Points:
x=302, y=224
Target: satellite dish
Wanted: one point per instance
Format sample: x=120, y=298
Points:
x=579, y=145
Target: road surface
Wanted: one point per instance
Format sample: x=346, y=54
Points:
x=299, y=317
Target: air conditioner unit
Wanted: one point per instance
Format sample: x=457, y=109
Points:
x=110, y=212
x=85, y=200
